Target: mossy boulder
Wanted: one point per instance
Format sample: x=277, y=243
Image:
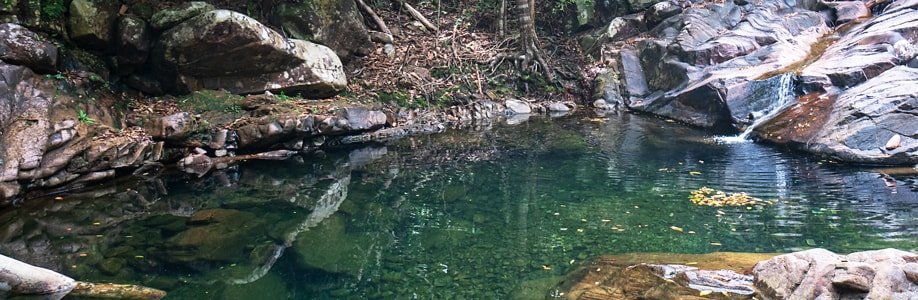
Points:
x=222, y=49
x=168, y=18
x=336, y=24
x=91, y=23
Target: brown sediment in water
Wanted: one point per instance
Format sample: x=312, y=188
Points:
x=800, y=122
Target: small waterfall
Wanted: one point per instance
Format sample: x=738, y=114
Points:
x=784, y=92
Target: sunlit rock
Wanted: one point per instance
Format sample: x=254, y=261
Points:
x=21, y=279
x=820, y=274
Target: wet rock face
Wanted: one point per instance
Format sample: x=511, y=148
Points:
x=820, y=274
x=336, y=24
x=865, y=95
x=847, y=93
x=222, y=49
x=20, y=46
x=695, y=64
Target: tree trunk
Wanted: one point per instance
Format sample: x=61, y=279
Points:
x=529, y=40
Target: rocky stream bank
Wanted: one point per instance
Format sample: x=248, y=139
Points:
x=833, y=78
x=62, y=132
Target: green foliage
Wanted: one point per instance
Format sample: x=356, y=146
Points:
x=396, y=98
x=211, y=101
x=53, y=9
x=57, y=76
x=85, y=118
x=283, y=97
x=540, y=82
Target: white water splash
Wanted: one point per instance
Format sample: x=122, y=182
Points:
x=785, y=96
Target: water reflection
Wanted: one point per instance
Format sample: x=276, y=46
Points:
x=473, y=214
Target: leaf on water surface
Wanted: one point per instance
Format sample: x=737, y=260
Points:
x=679, y=229
x=715, y=244
x=694, y=173
x=704, y=293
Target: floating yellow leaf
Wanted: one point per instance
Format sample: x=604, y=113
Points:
x=704, y=293
x=709, y=197
x=715, y=244
x=694, y=173
x=679, y=229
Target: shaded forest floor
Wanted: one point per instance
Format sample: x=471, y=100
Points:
x=466, y=60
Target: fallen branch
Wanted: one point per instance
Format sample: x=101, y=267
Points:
x=379, y=21
x=116, y=291
x=418, y=16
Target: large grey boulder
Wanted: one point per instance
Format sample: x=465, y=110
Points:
x=20, y=46
x=223, y=49
x=821, y=274
x=336, y=24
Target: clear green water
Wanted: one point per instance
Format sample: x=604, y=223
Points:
x=497, y=212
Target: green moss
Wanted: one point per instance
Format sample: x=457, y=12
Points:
x=52, y=9
x=211, y=101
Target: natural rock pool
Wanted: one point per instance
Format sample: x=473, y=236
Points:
x=498, y=211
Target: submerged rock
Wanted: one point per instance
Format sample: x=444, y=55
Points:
x=659, y=276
